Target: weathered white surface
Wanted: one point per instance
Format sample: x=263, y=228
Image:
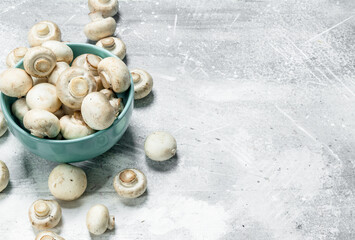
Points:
x=260, y=96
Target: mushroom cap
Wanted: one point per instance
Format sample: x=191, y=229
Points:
x=39, y=62
x=108, y=8
x=44, y=214
x=98, y=219
x=19, y=108
x=15, y=82
x=143, y=83
x=73, y=85
x=100, y=27
x=58, y=69
x=4, y=176
x=88, y=62
x=115, y=102
x=130, y=183
x=97, y=111
x=41, y=123
x=15, y=56
x=160, y=146
x=73, y=126
x=43, y=31
x=48, y=235
x=3, y=124
x=43, y=96
x=62, y=51
x=67, y=182
x=114, y=74
x=115, y=45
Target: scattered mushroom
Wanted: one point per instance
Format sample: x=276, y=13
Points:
x=143, y=83
x=19, y=108
x=130, y=183
x=73, y=126
x=48, y=235
x=4, y=176
x=62, y=52
x=43, y=96
x=44, y=214
x=114, y=74
x=73, y=85
x=108, y=8
x=58, y=69
x=97, y=111
x=115, y=102
x=100, y=27
x=160, y=146
x=67, y=182
x=15, y=82
x=98, y=220
x=3, y=124
x=114, y=45
x=39, y=62
x=15, y=56
x=89, y=62
x=43, y=31
x=41, y=123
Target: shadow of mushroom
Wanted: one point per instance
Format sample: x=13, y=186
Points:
x=163, y=166
x=144, y=102
x=7, y=191
x=132, y=202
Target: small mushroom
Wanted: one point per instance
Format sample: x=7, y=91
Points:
x=43, y=31
x=115, y=45
x=67, y=182
x=43, y=96
x=4, y=176
x=19, y=108
x=73, y=126
x=41, y=123
x=48, y=235
x=15, y=56
x=39, y=80
x=160, y=146
x=15, y=82
x=143, y=83
x=44, y=214
x=59, y=68
x=108, y=8
x=88, y=62
x=114, y=74
x=39, y=62
x=3, y=124
x=73, y=85
x=62, y=51
x=98, y=220
x=100, y=27
x=115, y=102
x=97, y=111
x=130, y=183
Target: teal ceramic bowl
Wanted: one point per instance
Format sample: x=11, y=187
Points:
x=65, y=151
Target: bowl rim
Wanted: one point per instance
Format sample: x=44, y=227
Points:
x=8, y=114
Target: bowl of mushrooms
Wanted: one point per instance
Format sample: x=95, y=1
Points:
x=67, y=102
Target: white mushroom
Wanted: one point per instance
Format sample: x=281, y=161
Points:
x=15, y=56
x=15, y=82
x=143, y=83
x=88, y=62
x=130, y=183
x=115, y=45
x=4, y=176
x=43, y=31
x=39, y=62
x=43, y=96
x=48, y=235
x=114, y=74
x=97, y=111
x=19, y=108
x=59, y=68
x=99, y=27
x=98, y=220
x=160, y=146
x=44, y=214
x=62, y=51
x=41, y=123
x=108, y=8
x=73, y=85
x=39, y=80
x=3, y=124
x=73, y=126
x=67, y=182
x=115, y=102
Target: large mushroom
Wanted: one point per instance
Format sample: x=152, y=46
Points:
x=43, y=96
x=15, y=82
x=15, y=56
x=98, y=220
x=43, y=31
x=48, y=235
x=100, y=27
x=44, y=214
x=59, y=68
x=4, y=176
x=73, y=126
x=130, y=183
x=143, y=83
x=19, y=108
x=39, y=61
x=108, y=8
x=41, y=123
x=115, y=45
x=62, y=51
x=160, y=146
x=88, y=62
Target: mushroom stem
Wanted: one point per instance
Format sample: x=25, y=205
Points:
x=47, y=238
x=78, y=87
x=111, y=222
x=42, y=65
x=41, y=209
x=128, y=177
x=19, y=53
x=105, y=79
x=104, y=1
x=42, y=29
x=108, y=43
x=96, y=16
x=136, y=77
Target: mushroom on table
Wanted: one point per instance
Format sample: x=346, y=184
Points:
x=44, y=214
x=160, y=146
x=98, y=220
x=48, y=235
x=100, y=27
x=143, y=83
x=4, y=176
x=130, y=183
x=108, y=8
x=43, y=31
